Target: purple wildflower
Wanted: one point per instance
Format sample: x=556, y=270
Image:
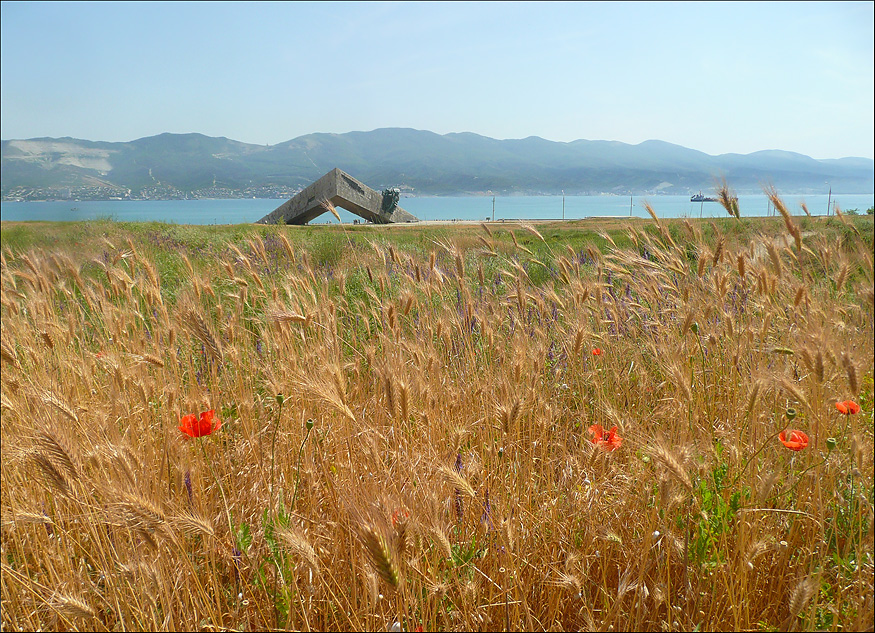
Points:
x=487, y=513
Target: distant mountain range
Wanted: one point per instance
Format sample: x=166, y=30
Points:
x=418, y=162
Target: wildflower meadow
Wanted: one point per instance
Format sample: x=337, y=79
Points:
x=600, y=425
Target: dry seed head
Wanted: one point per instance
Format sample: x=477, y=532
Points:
x=21, y=516
x=688, y=322
x=518, y=245
x=851, y=372
x=456, y=480
x=680, y=380
x=138, y=513
x=380, y=553
x=389, y=392
x=393, y=255
x=71, y=607
x=404, y=399
x=153, y=360
x=513, y=237
x=529, y=228
x=296, y=543
x=843, y=274
x=792, y=229
x=50, y=473
x=578, y=342
x=567, y=581
x=47, y=339
x=728, y=200
x=767, y=483
x=775, y=257
x=7, y=353
x=50, y=446
x=752, y=399
x=194, y=525
x=329, y=206
x=792, y=389
x=287, y=246
x=800, y=294
x=755, y=549
x=651, y=212
x=767, y=322
x=807, y=360
x=802, y=595
x=441, y=540
x=49, y=398
x=199, y=328
x=718, y=251
x=673, y=465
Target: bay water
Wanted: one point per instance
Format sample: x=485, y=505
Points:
x=242, y=211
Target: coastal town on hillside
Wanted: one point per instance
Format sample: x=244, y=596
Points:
x=152, y=192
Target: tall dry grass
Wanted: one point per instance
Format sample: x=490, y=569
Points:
x=406, y=439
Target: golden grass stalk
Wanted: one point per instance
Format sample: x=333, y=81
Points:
x=193, y=525
x=283, y=316
x=779, y=205
x=673, y=464
x=198, y=327
x=49, y=445
x=50, y=473
x=297, y=544
x=728, y=200
x=71, y=607
x=801, y=595
x=851, y=372
x=49, y=398
x=380, y=553
x=532, y=230
x=456, y=480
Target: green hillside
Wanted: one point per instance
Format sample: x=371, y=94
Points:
x=420, y=161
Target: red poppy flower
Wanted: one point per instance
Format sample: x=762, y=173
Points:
x=194, y=427
x=795, y=441
x=597, y=351
x=607, y=440
x=848, y=407
x=399, y=517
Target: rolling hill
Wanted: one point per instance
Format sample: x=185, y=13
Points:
x=420, y=162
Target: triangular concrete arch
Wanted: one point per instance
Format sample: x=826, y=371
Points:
x=341, y=190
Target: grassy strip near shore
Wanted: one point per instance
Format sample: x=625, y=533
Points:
x=415, y=426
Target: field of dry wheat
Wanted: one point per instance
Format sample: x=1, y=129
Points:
x=401, y=428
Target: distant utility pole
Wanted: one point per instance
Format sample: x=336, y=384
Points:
x=829, y=200
x=493, y=208
x=630, y=206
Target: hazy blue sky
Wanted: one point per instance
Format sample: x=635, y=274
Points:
x=717, y=77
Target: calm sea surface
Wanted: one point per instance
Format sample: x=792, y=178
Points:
x=442, y=208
